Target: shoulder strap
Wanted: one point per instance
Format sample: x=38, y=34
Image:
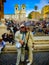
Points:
x=22, y=36
x=28, y=37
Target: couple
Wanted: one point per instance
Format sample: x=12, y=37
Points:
x=23, y=36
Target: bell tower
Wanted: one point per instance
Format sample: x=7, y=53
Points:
x=16, y=11
x=23, y=12
x=20, y=13
x=16, y=8
x=23, y=7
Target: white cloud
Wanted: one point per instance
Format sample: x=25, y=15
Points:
x=28, y=11
x=42, y=3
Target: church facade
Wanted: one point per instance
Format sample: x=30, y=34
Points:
x=19, y=15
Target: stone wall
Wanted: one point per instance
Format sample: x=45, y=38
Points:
x=2, y=30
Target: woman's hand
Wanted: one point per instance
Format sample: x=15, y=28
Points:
x=21, y=41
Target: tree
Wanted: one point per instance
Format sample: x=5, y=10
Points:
x=41, y=19
x=29, y=16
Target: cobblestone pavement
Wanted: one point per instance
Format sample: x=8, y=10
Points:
x=40, y=58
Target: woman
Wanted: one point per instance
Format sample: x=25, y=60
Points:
x=29, y=41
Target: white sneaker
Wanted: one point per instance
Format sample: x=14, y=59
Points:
x=27, y=60
x=29, y=63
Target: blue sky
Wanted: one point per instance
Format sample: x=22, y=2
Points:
x=9, y=5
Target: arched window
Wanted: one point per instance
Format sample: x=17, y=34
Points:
x=23, y=8
x=16, y=8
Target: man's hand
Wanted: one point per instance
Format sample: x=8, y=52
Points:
x=21, y=41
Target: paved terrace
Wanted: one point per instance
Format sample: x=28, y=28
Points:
x=40, y=52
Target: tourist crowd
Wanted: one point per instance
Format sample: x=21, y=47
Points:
x=22, y=35
x=39, y=26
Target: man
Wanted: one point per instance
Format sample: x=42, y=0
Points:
x=2, y=45
x=20, y=40
x=30, y=41
x=4, y=37
x=11, y=38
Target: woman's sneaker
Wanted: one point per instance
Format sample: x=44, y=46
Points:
x=29, y=63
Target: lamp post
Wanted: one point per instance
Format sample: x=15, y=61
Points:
x=36, y=7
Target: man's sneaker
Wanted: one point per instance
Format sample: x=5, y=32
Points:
x=23, y=63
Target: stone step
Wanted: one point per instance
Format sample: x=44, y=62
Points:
x=41, y=42
x=35, y=50
x=13, y=47
x=41, y=46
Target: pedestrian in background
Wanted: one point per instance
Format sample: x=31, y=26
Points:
x=2, y=45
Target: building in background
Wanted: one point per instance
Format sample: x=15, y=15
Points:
x=19, y=15
x=2, y=8
x=35, y=15
x=45, y=12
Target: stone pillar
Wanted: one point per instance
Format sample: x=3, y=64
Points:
x=2, y=8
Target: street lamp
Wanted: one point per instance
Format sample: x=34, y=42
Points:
x=36, y=7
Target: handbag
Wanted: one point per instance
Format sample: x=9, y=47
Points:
x=18, y=45
x=26, y=47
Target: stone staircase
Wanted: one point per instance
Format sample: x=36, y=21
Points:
x=39, y=45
